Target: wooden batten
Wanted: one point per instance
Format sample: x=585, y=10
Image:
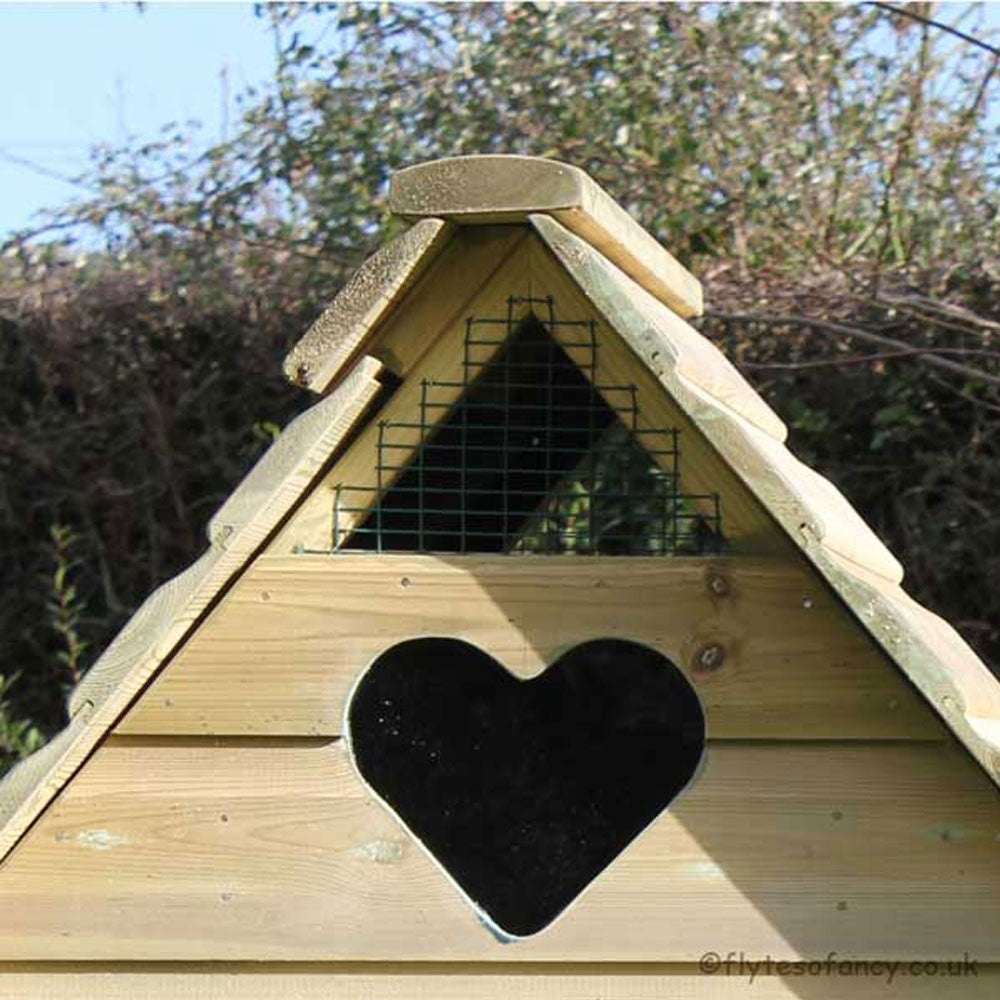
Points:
x=426, y=343
x=715, y=397
x=240, y=528
x=331, y=344
x=420, y=266
x=749, y=527
x=660, y=339
x=811, y=511
x=821, y=980
x=933, y=655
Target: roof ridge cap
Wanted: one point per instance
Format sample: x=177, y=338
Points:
x=504, y=188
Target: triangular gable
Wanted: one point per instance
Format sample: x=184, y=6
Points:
x=311, y=620
x=701, y=383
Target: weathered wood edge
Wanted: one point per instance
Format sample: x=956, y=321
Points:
x=476, y=189
x=941, y=665
x=814, y=514
x=320, y=354
x=146, y=642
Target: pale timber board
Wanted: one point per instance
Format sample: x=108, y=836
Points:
x=334, y=340
x=468, y=981
x=240, y=528
x=479, y=189
x=184, y=852
x=451, y=269
x=796, y=666
x=440, y=333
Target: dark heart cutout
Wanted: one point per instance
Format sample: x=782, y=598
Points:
x=525, y=790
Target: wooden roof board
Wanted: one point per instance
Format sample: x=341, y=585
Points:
x=257, y=506
x=471, y=190
x=812, y=511
x=334, y=340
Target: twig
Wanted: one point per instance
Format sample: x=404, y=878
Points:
x=944, y=308
x=903, y=12
x=861, y=359
x=843, y=330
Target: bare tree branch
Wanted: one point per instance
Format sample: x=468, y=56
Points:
x=903, y=12
x=929, y=357
x=860, y=359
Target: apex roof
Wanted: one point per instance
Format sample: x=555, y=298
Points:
x=644, y=295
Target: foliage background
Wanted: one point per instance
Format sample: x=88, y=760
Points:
x=830, y=172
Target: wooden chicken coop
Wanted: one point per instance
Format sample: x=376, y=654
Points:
x=527, y=662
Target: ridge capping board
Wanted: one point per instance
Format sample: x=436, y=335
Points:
x=472, y=190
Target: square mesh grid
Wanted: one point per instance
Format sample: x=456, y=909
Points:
x=536, y=455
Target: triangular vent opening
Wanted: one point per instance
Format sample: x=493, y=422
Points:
x=536, y=456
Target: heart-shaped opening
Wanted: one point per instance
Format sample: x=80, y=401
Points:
x=524, y=791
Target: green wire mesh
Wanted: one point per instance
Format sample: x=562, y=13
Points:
x=536, y=456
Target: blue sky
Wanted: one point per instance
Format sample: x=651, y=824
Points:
x=76, y=74
x=72, y=75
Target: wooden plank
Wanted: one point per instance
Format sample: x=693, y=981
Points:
x=291, y=464
x=933, y=655
x=334, y=342
x=467, y=981
x=34, y=780
x=435, y=352
x=659, y=337
x=796, y=665
x=277, y=852
x=444, y=295
x=478, y=189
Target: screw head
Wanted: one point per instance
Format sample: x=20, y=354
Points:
x=710, y=657
x=718, y=585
